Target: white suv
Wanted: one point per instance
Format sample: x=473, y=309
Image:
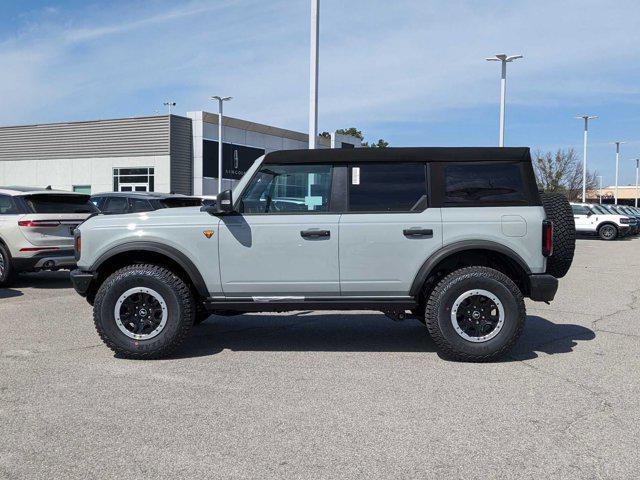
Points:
x=596, y=219
x=36, y=229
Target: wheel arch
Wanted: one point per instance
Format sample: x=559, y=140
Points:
x=607, y=222
x=144, y=251
x=464, y=253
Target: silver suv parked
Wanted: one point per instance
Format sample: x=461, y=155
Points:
x=454, y=236
x=36, y=229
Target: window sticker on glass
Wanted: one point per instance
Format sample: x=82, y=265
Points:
x=355, y=176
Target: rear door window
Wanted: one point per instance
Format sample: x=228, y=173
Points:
x=52, y=203
x=387, y=187
x=481, y=184
x=115, y=205
x=140, y=205
x=181, y=202
x=579, y=210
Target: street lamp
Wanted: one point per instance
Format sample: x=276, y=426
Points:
x=220, y=100
x=313, y=73
x=501, y=57
x=170, y=105
x=617, y=144
x=599, y=188
x=586, y=119
x=637, y=165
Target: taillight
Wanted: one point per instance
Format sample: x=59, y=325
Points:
x=547, y=238
x=77, y=246
x=38, y=223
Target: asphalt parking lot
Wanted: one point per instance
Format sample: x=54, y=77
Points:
x=325, y=394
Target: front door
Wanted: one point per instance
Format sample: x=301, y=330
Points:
x=284, y=242
x=583, y=218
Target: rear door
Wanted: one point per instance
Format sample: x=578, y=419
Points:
x=52, y=218
x=388, y=229
x=583, y=221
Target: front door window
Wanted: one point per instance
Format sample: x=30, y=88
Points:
x=288, y=188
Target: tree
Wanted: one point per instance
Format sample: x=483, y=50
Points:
x=354, y=132
x=561, y=172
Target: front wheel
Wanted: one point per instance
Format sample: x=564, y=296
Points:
x=475, y=314
x=608, y=232
x=143, y=311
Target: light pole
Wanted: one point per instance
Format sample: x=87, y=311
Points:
x=220, y=100
x=637, y=165
x=599, y=188
x=170, y=105
x=501, y=57
x=313, y=87
x=586, y=119
x=617, y=144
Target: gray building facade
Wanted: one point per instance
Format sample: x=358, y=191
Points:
x=162, y=153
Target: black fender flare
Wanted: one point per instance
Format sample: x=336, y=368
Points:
x=458, y=247
x=170, y=252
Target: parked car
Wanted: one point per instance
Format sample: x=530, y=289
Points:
x=456, y=237
x=615, y=210
x=111, y=203
x=631, y=213
x=36, y=229
x=598, y=220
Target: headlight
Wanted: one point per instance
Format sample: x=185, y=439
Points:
x=624, y=221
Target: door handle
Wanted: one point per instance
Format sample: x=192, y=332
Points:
x=315, y=233
x=418, y=232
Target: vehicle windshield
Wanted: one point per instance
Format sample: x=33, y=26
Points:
x=52, y=203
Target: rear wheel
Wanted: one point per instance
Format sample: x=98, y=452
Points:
x=608, y=232
x=143, y=311
x=475, y=314
x=7, y=272
x=558, y=210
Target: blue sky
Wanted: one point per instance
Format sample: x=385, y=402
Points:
x=410, y=71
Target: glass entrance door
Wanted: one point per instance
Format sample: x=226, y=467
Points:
x=133, y=187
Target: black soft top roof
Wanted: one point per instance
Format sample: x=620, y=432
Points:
x=419, y=154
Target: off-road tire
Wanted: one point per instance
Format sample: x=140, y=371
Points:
x=174, y=292
x=8, y=275
x=608, y=232
x=558, y=210
x=445, y=293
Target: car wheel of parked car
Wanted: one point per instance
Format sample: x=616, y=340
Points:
x=475, y=314
x=7, y=273
x=558, y=210
x=608, y=232
x=143, y=311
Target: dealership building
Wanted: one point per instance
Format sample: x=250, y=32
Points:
x=162, y=153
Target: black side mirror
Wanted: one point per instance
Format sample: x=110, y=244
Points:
x=223, y=205
x=589, y=213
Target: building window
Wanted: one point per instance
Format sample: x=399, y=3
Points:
x=133, y=179
x=387, y=187
x=82, y=189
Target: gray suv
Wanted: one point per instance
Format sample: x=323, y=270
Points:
x=456, y=237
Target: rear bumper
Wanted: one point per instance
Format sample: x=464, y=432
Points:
x=543, y=287
x=47, y=260
x=81, y=281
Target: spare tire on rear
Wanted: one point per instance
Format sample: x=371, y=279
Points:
x=558, y=210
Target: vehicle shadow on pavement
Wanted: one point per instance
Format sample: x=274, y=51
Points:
x=369, y=332
x=9, y=293
x=542, y=336
x=307, y=331
x=43, y=280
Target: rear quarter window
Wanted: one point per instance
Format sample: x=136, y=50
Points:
x=51, y=203
x=484, y=185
